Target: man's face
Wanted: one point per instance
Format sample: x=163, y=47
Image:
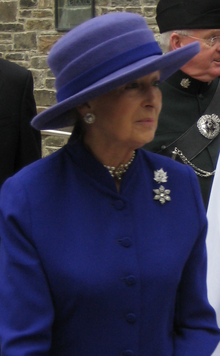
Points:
x=205, y=66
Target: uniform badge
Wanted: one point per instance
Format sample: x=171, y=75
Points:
x=209, y=126
x=161, y=194
x=185, y=83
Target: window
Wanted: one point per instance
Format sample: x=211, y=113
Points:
x=70, y=13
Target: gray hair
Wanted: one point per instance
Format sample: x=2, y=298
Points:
x=165, y=38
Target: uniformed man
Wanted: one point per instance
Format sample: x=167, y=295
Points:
x=189, y=123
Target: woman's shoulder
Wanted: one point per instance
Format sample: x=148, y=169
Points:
x=41, y=173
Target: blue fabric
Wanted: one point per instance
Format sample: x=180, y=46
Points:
x=86, y=271
x=105, y=68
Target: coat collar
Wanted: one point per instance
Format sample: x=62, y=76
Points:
x=92, y=167
x=187, y=84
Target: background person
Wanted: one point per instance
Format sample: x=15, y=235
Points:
x=193, y=91
x=100, y=254
x=20, y=144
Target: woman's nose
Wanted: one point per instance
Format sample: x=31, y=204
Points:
x=152, y=96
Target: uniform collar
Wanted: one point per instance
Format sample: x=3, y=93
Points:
x=187, y=84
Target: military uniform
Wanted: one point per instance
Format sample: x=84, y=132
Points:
x=185, y=99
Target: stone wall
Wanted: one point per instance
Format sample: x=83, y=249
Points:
x=27, y=33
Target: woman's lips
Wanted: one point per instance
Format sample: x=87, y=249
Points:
x=146, y=121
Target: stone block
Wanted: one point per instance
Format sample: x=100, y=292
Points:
x=42, y=13
x=5, y=37
x=5, y=47
x=55, y=141
x=103, y=2
x=2, y=48
x=27, y=56
x=150, y=21
x=25, y=41
x=135, y=10
x=104, y=11
x=115, y=3
x=45, y=98
x=46, y=4
x=51, y=144
x=40, y=109
x=50, y=83
x=150, y=11
x=8, y=11
x=39, y=62
x=132, y=3
x=155, y=29
x=26, y=13
x=11, y=27
x=39, y=25
x=149, y=2
x=110, y=10
x=39, y=78
x=25, y=4
x=46, y=42
x=15, y=56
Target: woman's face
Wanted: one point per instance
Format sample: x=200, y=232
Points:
x=127, y=115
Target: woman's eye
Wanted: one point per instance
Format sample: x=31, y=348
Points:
x=156, y=83
x=133, y=85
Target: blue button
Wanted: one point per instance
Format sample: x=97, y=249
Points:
x=130, y=280
x=131, y=318
x=128, y=353
x=119, y=204
x=125, y=242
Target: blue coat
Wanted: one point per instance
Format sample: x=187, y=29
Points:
x=88, y=271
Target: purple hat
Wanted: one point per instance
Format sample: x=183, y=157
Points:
x=100, y=55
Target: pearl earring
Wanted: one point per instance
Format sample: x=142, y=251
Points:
x=89, y=118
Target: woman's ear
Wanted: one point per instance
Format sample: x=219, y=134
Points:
x=175, y=41
x=83, y=109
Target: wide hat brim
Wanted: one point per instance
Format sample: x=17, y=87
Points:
x=167, y=64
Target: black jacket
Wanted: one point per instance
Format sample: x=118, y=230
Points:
x=182, y=107
x=20, y=144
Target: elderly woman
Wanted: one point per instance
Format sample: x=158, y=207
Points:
x=103, y=244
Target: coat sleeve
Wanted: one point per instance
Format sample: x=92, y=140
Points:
x=29, y=143
x=195, y=320
x=26, y=307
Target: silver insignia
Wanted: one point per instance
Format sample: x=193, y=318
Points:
x=185, y=83
x=160, y=176
x=209, y=126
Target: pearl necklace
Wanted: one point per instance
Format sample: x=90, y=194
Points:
x=118, y=172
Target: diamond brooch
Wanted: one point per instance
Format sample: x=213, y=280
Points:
x=161, y=194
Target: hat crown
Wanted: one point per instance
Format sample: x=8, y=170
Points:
x=94, y=42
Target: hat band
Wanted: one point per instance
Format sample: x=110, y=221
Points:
x=105, y=68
